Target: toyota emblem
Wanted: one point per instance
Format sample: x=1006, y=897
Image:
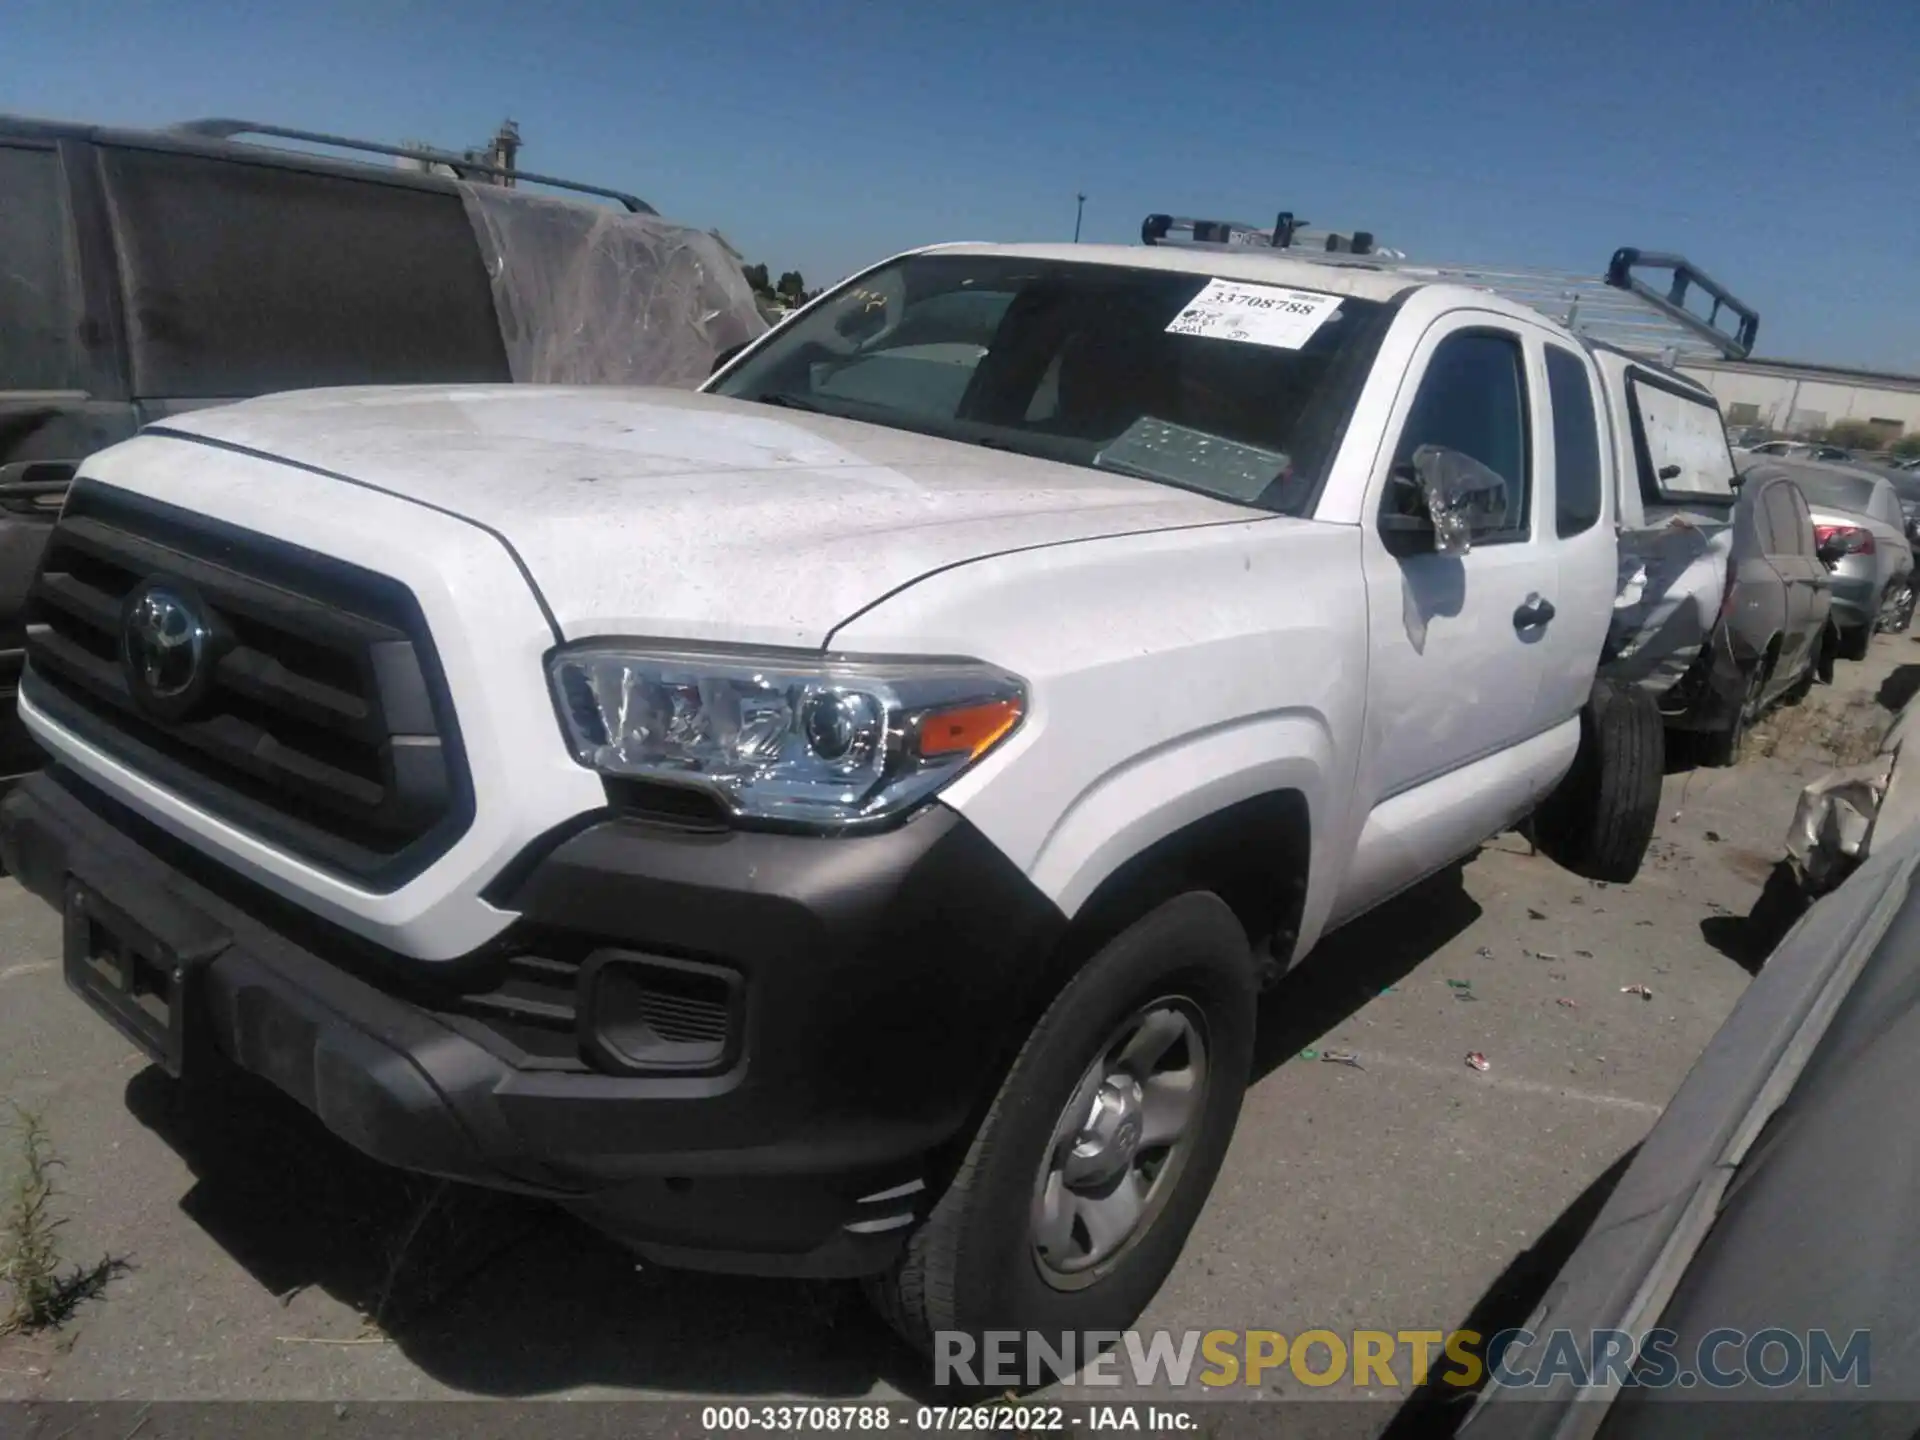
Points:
x=166, y=644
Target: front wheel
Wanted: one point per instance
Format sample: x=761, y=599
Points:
x=1096, y=1156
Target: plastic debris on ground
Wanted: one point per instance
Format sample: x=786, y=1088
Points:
x=1565, y=1003
x=1485, y=952
x=1645, y=992
x=1584, y=954
x=1309, y=1054
x=1341, y=1057
x=1533, y=914
x=1477, y=1060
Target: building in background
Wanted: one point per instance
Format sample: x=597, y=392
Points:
x=502, y=152
x=1790, y=397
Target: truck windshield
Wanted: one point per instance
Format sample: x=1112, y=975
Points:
x=1234, y=389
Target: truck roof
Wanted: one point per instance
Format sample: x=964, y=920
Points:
x=1344, y=276
x=1255, y=266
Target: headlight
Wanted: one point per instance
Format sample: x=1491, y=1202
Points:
x=825, y=743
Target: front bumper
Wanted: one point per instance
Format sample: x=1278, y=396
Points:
x=883, y=981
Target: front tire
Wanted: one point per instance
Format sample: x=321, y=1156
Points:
x=1079, y=1187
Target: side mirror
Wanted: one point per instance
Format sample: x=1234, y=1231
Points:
x=1669, y=472
x=1448, y=495
x=725, y=357
x=1830, y=553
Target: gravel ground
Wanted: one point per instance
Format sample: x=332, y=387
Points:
x=1409, y=1193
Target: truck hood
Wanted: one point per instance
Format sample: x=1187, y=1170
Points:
x=672, y=514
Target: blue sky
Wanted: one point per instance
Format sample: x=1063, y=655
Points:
x=1775, y=142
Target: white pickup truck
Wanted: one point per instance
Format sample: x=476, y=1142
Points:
x=835, y=823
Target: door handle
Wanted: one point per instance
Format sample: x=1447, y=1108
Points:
x=1532, y=615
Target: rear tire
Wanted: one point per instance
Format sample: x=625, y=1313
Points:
x=983, y=1259
x=1722, y=748
x=1803, y=687
x=1898, y=609
x=1599, y=819
x=1854, y=642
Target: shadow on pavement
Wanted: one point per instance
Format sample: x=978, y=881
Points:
x=1437, y=1409
x=1354, y=964
x=494, y=1294
x=1748, y=940
x=501, y=1295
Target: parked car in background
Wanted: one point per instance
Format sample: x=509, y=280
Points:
x=1801, y=450
x=1906, y=486
x=1862, y=533
x=1773, y=623
x=149, y=273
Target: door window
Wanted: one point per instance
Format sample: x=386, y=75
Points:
x=1783, y=521
x=1576, y=444
x=1803, y=541
x=246, y=278
x=36, y=318
x=1473, y=398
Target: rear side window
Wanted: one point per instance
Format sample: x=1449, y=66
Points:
x=1576, y=444
x=36, y=325
x=1681, y=444
x=1473, y=399
x=243, y=279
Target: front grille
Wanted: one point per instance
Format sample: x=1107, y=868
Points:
x=325, y=727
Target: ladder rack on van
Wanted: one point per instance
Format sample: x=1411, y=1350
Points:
x=460, y=165
x=1617, y=307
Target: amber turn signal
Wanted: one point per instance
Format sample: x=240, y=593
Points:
x=970, y=730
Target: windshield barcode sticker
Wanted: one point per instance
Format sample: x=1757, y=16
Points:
x=1255, y=314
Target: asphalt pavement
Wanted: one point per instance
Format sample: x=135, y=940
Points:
x=264, y=1259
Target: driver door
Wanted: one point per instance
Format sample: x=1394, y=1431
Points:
x=1459, y=644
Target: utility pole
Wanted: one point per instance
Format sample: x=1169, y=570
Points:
x=1079, y=209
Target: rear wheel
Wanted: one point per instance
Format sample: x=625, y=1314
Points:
x=1854, y=642
x=1828, y=652
x=1080, y=1185
x=1723, y=747
x=1598, y=820
x=1803, y=687
x=1897, y=613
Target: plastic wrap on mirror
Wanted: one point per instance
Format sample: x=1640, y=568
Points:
x=1667, y=600
x=593, y=296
